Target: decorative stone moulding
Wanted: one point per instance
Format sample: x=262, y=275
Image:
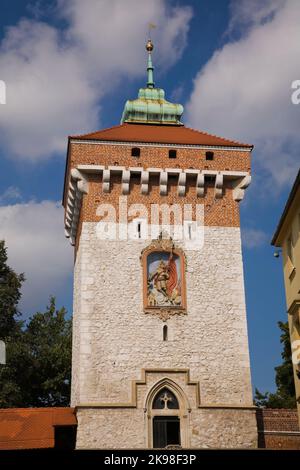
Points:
x=240, y=179
x=163, y=183
x=200, y=184
x=164, y=314
x=78, y=185
x=145, y=182
x=240, y=187
x=125, y=181
x=106, y=181
x=181, y=184
x=164, y=247
x=219, y=186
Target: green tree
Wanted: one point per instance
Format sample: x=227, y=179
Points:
x=10, y=294
x=38, y=372
x=284, y=397
x=38, y=354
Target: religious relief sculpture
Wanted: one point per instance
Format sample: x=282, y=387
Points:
x=163, y=279
x=164, y=290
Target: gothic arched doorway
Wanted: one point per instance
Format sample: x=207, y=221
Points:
x=166, y=422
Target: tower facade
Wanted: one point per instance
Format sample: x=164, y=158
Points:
x=160, y=345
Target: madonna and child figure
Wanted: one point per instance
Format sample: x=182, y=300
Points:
x=164, y=280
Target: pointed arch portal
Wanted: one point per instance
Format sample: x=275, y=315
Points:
x=167, y=415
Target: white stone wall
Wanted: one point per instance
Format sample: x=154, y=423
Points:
x=127, y=428
x=113, y=339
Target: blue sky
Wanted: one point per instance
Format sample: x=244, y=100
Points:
x=69, y=66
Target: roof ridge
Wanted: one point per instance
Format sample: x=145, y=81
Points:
x=218, y=137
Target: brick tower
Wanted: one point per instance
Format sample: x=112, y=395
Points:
x=160, y=346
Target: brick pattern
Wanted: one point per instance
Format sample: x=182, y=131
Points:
x=277, y=429
x=217, y=212
x=222, y=212
x=156, y=156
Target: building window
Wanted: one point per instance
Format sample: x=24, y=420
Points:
x=166, y=431
x=135, y=152
x=166, y=424
x=165, y=400
x=165, y=333
x=289, y=248
x=172, y=153
x=209, y=155
x=139, y=229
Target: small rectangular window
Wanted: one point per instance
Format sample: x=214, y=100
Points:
x=209, y=155
x=135, y=152
x=172, y=153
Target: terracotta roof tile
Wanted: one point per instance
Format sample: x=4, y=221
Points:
x=32, y=428
x=150, y=133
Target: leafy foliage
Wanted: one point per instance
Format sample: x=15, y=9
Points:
x=284, y=397
x=10, y=294
x=38, y=368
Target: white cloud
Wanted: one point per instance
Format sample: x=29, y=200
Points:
x=244, y=91
x=253, y=238
x=55, y=79
x=34, y=236
x=248, y=13
x=10, y=194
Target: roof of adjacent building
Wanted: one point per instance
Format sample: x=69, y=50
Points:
x=155, y=133
x=32, y=428
x=288, y=205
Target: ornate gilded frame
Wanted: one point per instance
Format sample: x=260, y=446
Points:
x=164, y=245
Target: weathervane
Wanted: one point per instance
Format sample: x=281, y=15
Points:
x=150, y=26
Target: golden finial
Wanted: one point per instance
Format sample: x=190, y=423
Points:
x=149, y=45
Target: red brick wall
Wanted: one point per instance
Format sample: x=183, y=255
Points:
x=217, y=212
x=278, y=429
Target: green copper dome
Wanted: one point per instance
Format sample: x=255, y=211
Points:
x=151, y=106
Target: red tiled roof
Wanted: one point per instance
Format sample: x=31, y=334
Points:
x=32, y=428
x=165, y=134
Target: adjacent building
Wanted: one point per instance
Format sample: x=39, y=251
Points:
x=287, y=237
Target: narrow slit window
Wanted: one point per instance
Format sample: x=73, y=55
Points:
x=190, y=231
x=290, y=248
x=172, y=153
x=139, y=230
x=135, y=152
x=165, y=333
